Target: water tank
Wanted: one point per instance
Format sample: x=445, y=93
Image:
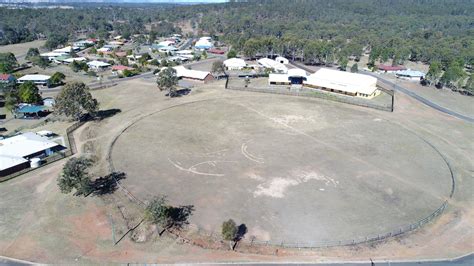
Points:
x=35, y=162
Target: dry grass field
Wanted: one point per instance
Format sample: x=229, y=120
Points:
x=40, y=224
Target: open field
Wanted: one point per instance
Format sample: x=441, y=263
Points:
x=280, y=166
x=20, y=49
x=39, y=223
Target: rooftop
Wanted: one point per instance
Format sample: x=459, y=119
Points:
x=390, y=68
x=35, y=77
x=14, y=149
x=344, y=81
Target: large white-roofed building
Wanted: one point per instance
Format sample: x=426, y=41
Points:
x=16, y=152
x=235, y=63
x=184, y=73
x=37, y=79
x=272, y=64
x=342, y=82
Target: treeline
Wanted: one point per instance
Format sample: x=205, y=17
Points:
x=23, y=25
x=401, y=30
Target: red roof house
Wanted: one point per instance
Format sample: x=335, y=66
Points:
x=216, y=51
x=386, y=68
x=121, y=68
x=5, y=78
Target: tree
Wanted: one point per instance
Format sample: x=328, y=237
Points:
x=231, y=54
x=160, y=213
x=12, y=97
x=75, y=175
x=74, y=100
x=434, y=72
x=343, y=63
x=229, y=231
x=167, y=80
x=40, y=61
x=29, y=93
x=8, y=62
x=218, y=68
x=454, y=74
x=55, y=40
x=157, y=212
x=32, y=52
x=204, y=54
x=354, y=68
x=57, y=78
x=470, y=84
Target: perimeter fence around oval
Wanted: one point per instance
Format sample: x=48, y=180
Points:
x=232, y=83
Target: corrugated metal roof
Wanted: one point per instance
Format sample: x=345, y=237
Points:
x=343, y=81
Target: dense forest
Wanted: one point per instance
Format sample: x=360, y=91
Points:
x=437, y=32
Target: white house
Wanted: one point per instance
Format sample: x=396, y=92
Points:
x=184, y=52
x=235, y=64
x=98, y=65
x=342, y=82
x=66, y=49
x=36, y=79
x=282, y=60
x=272, y=64
x=410, y=74
x=204, y=43
x=167, y=49
x=295, y=76
x=53, y=55
x=16, y=152
x=77, y=59
x=104, y=49
x=184, y=73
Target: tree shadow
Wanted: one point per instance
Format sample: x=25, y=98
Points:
x=241, y=231
x=107, y=184
x=103, y=114
x=179, y=93
x=180, y=215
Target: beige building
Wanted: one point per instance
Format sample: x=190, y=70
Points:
x=342, y=82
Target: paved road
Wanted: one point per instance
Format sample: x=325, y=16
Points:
x=467, y=260
x=423, y=100
x=409, y=93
